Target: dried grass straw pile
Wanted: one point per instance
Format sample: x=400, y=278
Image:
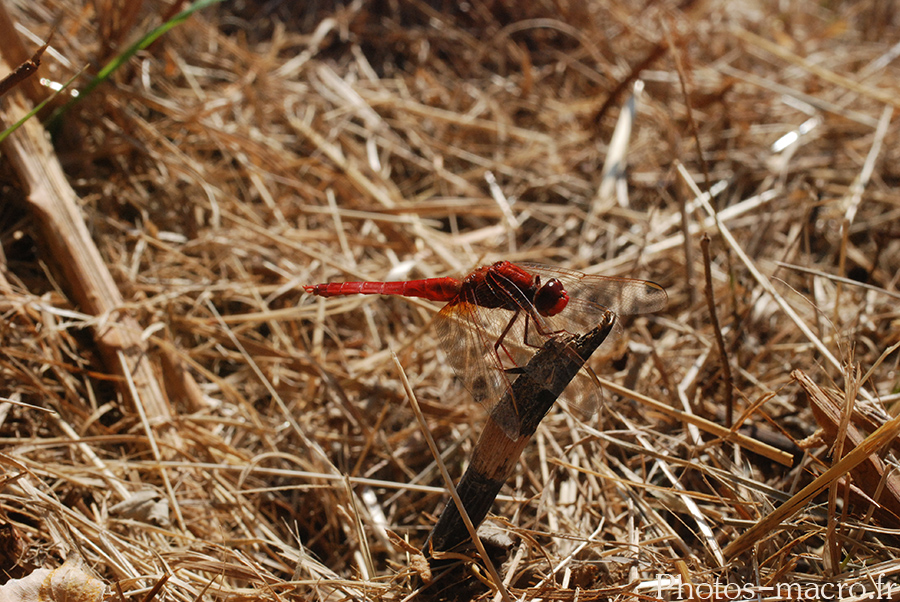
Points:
x=215, y=425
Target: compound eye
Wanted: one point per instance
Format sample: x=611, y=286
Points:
x=551, y=298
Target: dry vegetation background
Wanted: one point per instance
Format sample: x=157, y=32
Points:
x=261, y=146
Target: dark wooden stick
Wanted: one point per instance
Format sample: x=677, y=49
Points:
x=15, y=53
x=531, y=396
x=23, y=71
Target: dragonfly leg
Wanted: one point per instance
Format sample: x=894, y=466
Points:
x=540, y=330
x=499, y=344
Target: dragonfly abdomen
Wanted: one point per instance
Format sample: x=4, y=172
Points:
x=434, y=289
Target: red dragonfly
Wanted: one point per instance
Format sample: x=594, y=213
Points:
x=496, y=317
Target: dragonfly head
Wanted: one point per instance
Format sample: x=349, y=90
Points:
x=551, y=298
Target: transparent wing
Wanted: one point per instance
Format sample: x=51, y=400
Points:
x=584, y=394
x=591, y=296
x=625, y=296
x=468, y=334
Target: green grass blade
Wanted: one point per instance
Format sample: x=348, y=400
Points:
x=129, y=52
x=34, y=111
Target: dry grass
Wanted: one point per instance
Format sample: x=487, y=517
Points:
x=260, y=147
